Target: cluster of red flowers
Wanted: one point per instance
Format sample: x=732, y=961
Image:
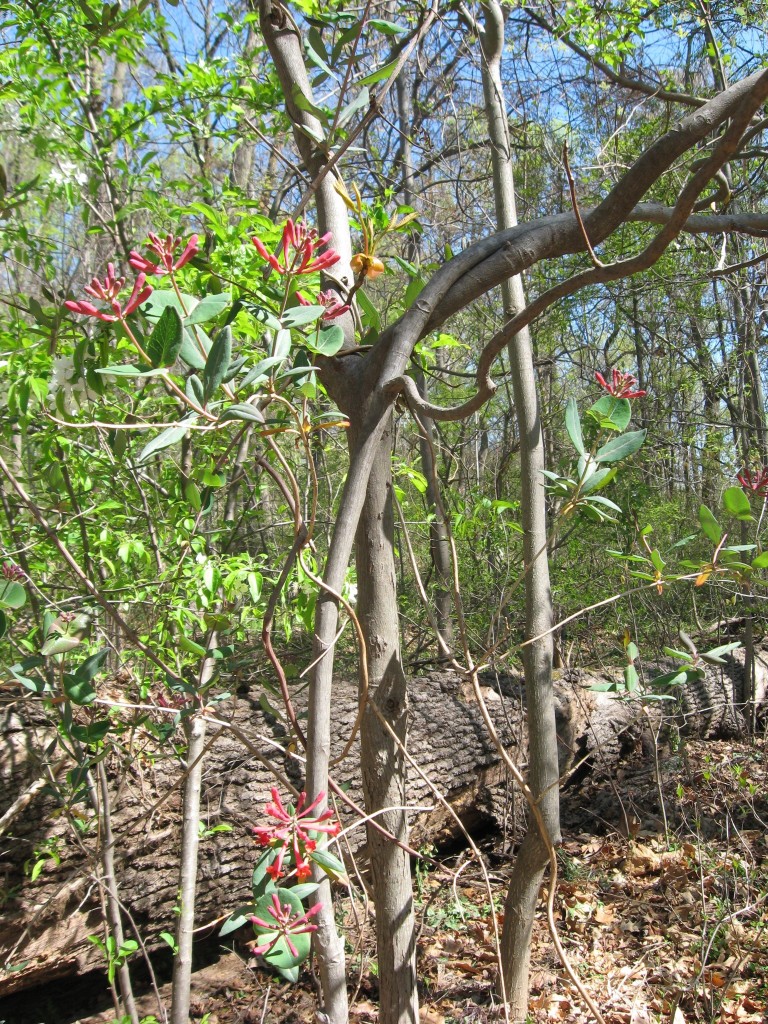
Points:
x=166, y=250
x=756, y=482
x=284, y=925
x=301, y=247
x=333, y=305
x=109, y=289
x=622, y=385
x=292, y=834
x=13, y=573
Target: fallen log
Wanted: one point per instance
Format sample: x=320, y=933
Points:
x=49, y=866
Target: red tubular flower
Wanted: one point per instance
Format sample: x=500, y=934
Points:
x=622, y=385
x=13, y=573
x=333, y=305
x=293, y=833
x=301, y=250
x=166, y=250
x=284, y=925
x=756, y=482
x=108, y=291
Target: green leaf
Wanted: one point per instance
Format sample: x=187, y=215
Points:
x=60, y=645
x=598, y=480
x=194, y=390
x=282, y=344
x=329, y=340
x=164, y=439
x=159, y=301
x=3, y=624
x=261, y=882
x=242, y=411
x=736, y=502
x=761, y=561
x=190, y=348
x=192, y=495
x=631, y=678
x=305, y=889
x=361, y=100
x=680, y=655
x=238, y=918
x=677, y=677
x=620, y=447
x=92, y=733
x=79, y=691
x=370, y=313
x=266, y=317
x=208, y=308
x=600, y=500
x=331, y=865
x=299, y=316
x=165, y=342
x=414, y=289
x=709, y=525
x=234, y=368
x=190, y=646
x=658, y=561
x=92, y=666
x=389, y=28
x=715, y=656
x=573, y=426
x=314, y=55
x=304, y=103
x=218, y=361
x=378, y=75
x=129, y=370
x=12, y=595
x=612, y=413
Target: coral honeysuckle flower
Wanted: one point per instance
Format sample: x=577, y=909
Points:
x=756, y=482
x=13, y=573
x=292, y=833
x=284, y=925
x=369, y=266
x=622, y=385
x=301, y=250
x=166, y=250
x=334, y=307
x=108, y=291
x=333, y=304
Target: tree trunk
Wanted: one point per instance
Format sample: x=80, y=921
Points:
x=382, y=762
x=533, y=855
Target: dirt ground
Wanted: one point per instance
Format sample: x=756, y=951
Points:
x=661, y=927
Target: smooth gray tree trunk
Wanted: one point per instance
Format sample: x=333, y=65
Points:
x=533, y=855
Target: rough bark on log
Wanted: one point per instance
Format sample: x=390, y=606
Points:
x=45, y=924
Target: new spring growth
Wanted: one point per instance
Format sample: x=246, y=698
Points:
x=622, y=385
x=283, y=925
x=108, y=291
x=292, y=833
x=301, y=247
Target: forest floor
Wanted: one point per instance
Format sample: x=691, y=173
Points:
x=659, y=929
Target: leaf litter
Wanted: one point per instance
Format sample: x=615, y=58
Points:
x=661, y=929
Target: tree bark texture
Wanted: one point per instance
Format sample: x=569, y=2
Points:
x=543, y=775
x=381, y=758
x=45, y=924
